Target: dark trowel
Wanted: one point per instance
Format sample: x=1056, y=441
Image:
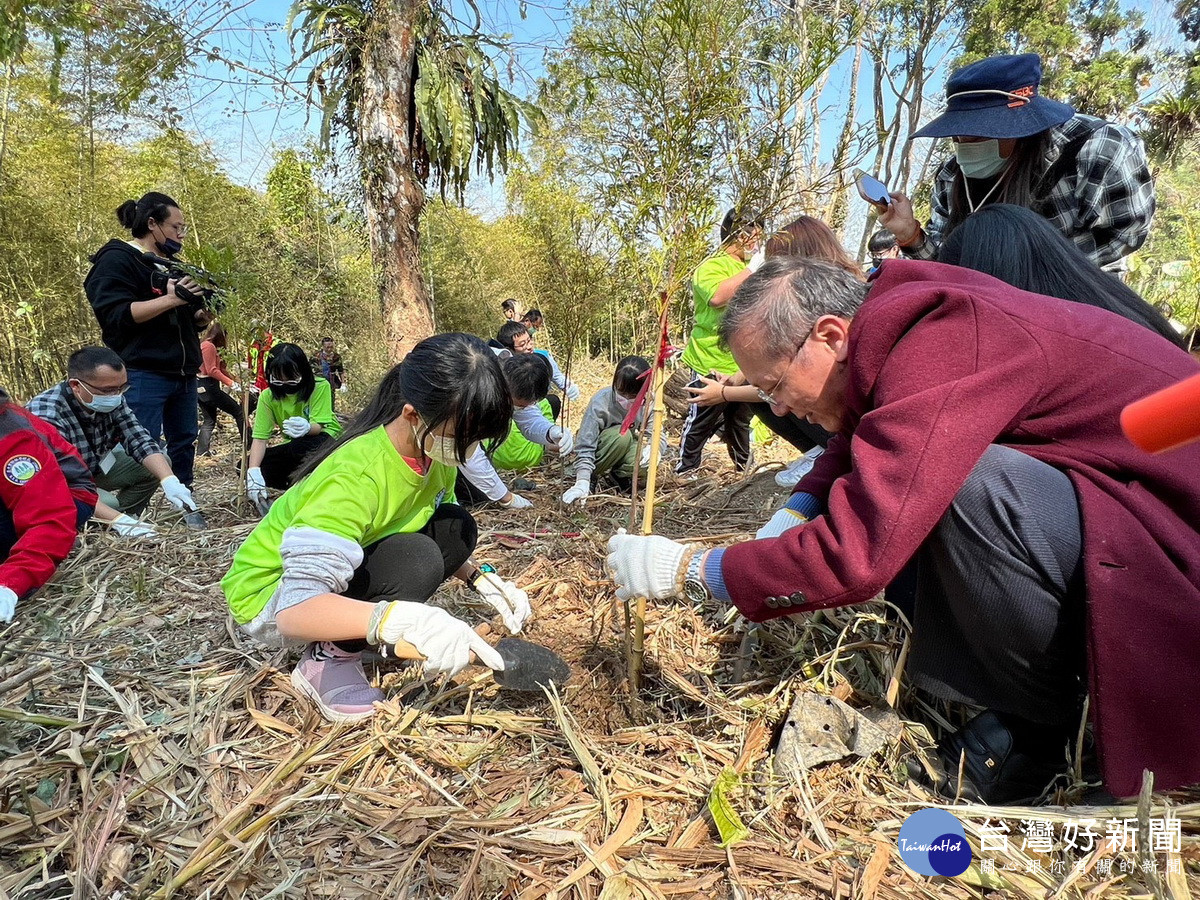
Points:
x=529, y=667
x=195, y=520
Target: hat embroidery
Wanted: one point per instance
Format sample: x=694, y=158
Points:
x=1023, y=94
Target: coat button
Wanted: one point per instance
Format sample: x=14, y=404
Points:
x=772, y=602
x=798, y=598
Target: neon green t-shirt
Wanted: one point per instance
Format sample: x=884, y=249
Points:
x=703, y=352
x=364, y=491
x=517, y=453
x=271, y=412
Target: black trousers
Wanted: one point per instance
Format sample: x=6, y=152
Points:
x=280, y=461
x=412, y=566
x=212, y=400
x=702, y=423
x=466, y=493
x=998, y=618
x=555, y=402
x=800, y=433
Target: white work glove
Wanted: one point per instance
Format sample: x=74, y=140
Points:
x=517, y=502
x=256, y=488
x=561, y=439
x=506, y=598
x=235, y=387
x=8, y=604
x=783, y=520
x=572, y=391
x=128, y=526
x=446, y=642
x=645, y=566
x=296, y=426
x=645, y=459
x=578, y=493
x=342, y=388
x=178, y=496
x=757, y=258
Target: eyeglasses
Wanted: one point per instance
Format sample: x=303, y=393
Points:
x=291, y=383
x=105, y=392
x=769, y=396
x=178, y=227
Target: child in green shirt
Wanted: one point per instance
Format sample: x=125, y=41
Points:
x=300, y=405
x=350, y=555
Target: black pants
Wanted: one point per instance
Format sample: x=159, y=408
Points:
x=800, y=433
x=412, y=566
x=555, y=402
x=466, y=493
x=211, y=400
x=281, y=461
x=702, y=423
x=998, y=619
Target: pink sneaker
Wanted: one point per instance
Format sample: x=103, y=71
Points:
x=336, y=683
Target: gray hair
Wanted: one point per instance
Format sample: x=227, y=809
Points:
x=783, y=300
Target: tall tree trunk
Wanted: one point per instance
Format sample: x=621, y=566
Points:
x=838, y=209
x=393, y=191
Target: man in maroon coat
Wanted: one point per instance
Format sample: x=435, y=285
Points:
x=978, y=439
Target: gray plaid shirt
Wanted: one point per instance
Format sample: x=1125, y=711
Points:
x=93, y=434
x=1104, y=202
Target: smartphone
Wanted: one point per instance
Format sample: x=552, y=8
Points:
x=872, y=189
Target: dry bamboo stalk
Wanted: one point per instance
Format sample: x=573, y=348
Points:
x=638, y=657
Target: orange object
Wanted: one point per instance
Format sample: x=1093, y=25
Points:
x=1166, y=419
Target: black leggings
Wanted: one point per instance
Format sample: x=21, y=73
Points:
x=280, y=461
x=800, y=433
x=412, y=566
x=213, y=400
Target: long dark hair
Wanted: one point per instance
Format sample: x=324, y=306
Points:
x=287, y=361
x=1017, y=245
x=1020, y=182
x=136, y=214
x=216, y=335
x=814, y=239
x=448, y=377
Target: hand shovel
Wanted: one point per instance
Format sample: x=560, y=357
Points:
x=195, y=520
x=527, y=666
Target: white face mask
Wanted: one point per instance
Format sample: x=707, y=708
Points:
x=443, y=450
x=980, y=159
x=623, y=402
x=102, y=403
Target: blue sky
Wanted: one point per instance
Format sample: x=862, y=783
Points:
x=245, y=116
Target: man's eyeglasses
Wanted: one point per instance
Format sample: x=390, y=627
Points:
x=105, y=392
x=769, y=396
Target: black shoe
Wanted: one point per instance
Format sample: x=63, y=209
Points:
x=523, y=484
x=623, y=483
x=1003, y=760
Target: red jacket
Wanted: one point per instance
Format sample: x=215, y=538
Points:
x=34, y=492
x=945, y=361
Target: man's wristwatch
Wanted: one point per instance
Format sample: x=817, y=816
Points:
x=478, y=574
x=694, y=587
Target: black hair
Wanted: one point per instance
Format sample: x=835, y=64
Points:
x=627, y=379
x=326, y=338
x=508, y=333
x=532, y=315
x=528, y=376
x=1020, y=182
x=87, y=360
x=881, y=241
x=736, y=221
x=510, y=303
x=286, y=362
x=136, y=214
x=445, y=378
x=1018, y=246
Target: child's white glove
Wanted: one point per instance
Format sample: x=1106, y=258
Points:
x=296, y=426
x=561, y=439
x=256, y=488
x=8, y=604
x=446, y=642
x=506, y=598
x=517, y=502
x=757, y=258
x=578, y=493
x=128, y=526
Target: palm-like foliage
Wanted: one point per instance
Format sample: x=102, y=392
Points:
x=1174, y=125
x=461, y=111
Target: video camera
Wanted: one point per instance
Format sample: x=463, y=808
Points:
x=211, y=296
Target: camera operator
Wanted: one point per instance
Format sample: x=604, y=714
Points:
x=148, y=320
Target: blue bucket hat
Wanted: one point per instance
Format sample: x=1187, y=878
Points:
x=997, y=97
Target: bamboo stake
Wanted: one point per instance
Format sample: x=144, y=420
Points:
x=244, y=456
x=638, y=656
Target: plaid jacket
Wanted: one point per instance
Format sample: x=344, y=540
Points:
x=93, y=434
x=1104, y=202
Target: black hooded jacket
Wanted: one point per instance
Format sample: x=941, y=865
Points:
x=168, y=344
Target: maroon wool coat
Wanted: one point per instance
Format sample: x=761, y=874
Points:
x=945, y=361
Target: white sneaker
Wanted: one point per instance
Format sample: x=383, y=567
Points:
x=791, y=476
